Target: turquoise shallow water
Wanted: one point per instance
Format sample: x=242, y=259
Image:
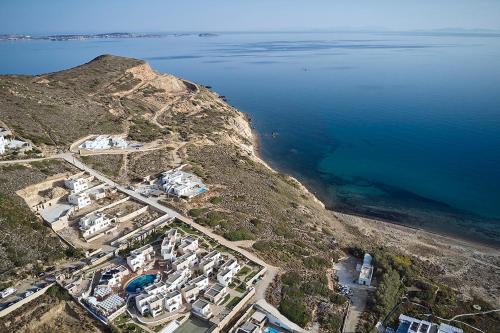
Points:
x=403, y=127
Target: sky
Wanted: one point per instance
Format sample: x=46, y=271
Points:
x=92, y=16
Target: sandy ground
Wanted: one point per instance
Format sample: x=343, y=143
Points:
x=469, y=267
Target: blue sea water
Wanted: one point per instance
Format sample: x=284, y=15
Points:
x=399, y=126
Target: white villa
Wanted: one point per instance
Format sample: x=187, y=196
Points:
x=168, y=245
x=78, y=184
x=79, y=199
x=103, y=142
x=95, y=223
x=216, y=293
x=201, y=282
x=156, y=299
x=186, y=261
x=227, y=271
x=201, y=308
x=409, y=324
x=11, y=143
x=112, y=277
x=209, y=262
x=174, y=281
x=366, y=272
x=141, y=258
x=181, y=184
x=190, y=293
x=188, y=244
x=107, y=306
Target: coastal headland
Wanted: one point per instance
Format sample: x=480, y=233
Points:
x=249, y=203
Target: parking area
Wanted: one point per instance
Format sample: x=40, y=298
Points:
x=358, y=294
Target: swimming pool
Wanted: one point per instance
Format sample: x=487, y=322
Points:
x=140, y=282
x=270, y=329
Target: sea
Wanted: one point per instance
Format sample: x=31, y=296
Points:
x=398, y=126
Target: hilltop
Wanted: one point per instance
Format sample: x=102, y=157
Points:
x=265, y=211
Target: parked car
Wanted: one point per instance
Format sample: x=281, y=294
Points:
x=7, y=292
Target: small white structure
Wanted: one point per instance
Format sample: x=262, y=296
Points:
x=2, y=145
x=112, y=277
x=227, y=272
x=77, y=184
x=186, y=261
x=409, y=324
x=95, y=223
x=216, y=293
x=13, y=144
x=109, y=306
x=103, y=142
x=209, y=262
x=80, y=200
x=188, y=244
x=248, y=327
x=156, y=299
x=190, y=293
x=174, y=281
x=181, y=184
x=366, y=272
x=168, y=245
x=201, y=308
x=201, y=282
x=141, y=258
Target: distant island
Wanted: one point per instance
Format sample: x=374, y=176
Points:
x=111, y=35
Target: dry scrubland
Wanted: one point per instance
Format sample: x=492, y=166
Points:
x=274, y=214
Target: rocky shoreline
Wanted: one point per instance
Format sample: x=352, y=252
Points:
x=460, y=259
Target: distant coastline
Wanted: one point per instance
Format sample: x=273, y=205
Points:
x=111, y=35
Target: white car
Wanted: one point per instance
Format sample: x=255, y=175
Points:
x=28, y=293
x=7, y=292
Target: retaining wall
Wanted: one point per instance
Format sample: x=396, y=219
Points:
x=26, y=300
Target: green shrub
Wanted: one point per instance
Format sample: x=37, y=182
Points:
x=315, y=262
x=216, y=200
x=240, y=234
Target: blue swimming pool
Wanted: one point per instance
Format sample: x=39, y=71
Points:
x=140, y=282
x=271, y=330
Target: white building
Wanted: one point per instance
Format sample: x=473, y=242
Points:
x=227, y=272
x=77, y=184
x=201, y=282
x=79, y=199
x=177, y=279
x=141, y=258
x=216, y=293
x=366, y=272
x=209, y=262
x=95, y=223
x=181, y=184
x=188, y=244
x=103, y=142
x=112, y=277
x=409, y=324
x=190, y=293
x=2, y=145
x=168, y=245
x=107, y=306
x=201, y=308
x=186, y=261
x=173, y=301
x=156, y=299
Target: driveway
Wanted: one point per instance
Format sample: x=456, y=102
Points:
x=347, y=274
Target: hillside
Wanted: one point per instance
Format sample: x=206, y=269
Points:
x=266, y=211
